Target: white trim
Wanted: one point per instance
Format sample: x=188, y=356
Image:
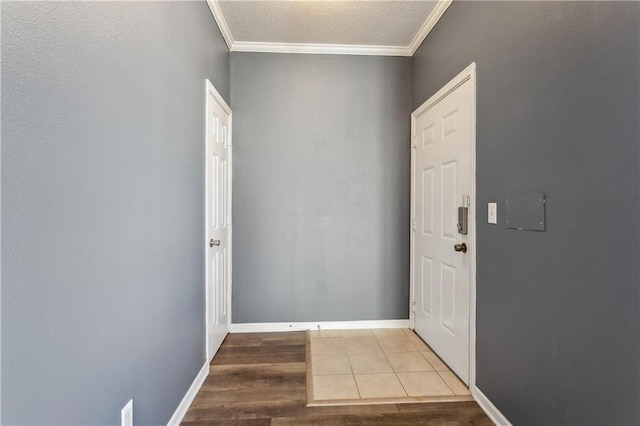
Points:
x=270, y=327
x=494, y=414
x=473, y=232
x=468, y=74
x=222, y=23
x=428, y=25
x=412, y=220
x=327, y=49
x=218, y=97
x=184, y=405
x=320, y=49
x=207, y=306
x=230, y=221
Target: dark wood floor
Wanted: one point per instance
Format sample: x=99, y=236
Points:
x=259, y=379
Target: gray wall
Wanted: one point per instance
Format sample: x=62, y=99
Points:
x=557, y=112
x=102, y=206
x=321, y=187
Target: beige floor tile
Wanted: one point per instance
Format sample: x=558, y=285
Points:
x=388, y=332
x=330, y=364
x=357, y=333
x=424, y=384
x=397, y=344
x=385, y=385
x=370, y=363
x=340, y=386
x=454, y=383
x=361, y=344
x=325, y=333
x=408, y=361
x=435, y=362
x=328, y=345
x=418, y=343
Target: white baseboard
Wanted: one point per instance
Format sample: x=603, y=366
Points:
x=494, y=414
x=189, y=396
x=266, y=327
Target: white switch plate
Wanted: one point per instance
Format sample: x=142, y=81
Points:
x=492, y=213
x=126, y=414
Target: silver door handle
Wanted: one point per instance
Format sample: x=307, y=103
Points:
x=213, y=242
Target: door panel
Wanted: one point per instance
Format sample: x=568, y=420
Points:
x=427, y=286
x=427, y=202
x=442, y=177
x=448, y=200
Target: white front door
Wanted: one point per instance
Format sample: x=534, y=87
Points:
x=218, y=219
x=443, y=181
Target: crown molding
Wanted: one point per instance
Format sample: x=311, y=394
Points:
x=222, y=23
x=428, y=25
x=327, y=49
x=322, y=49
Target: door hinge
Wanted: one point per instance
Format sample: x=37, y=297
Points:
x=413, y=225
x=413, y=306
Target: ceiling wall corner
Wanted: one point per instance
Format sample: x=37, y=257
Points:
x=428, y=25
x=222, y=23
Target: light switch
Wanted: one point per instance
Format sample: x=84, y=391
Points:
x=492, y=213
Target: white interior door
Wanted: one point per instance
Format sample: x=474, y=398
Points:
x=442, y=179
x=218, y=219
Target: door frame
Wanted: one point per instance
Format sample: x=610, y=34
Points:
x=468, y=74
x=210, y=90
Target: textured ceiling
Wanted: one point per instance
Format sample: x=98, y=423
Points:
x=363, y=23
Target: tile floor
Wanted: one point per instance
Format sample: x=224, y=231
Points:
x=380, y=365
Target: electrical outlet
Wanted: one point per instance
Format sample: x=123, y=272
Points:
x=126, y=414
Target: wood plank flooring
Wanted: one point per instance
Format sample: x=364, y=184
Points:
x=259, y=379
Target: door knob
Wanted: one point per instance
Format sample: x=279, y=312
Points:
x=213, y=242
x=460, y=247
